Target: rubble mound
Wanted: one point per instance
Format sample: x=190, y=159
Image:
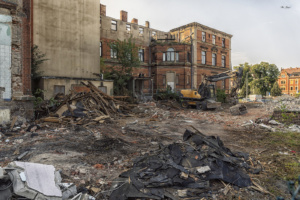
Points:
x=183, y=170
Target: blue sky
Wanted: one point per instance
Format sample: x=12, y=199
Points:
x=261, y=29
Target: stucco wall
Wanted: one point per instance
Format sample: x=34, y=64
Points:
x=68, y=32
x=48, y=85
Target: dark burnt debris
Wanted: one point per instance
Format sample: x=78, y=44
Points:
x=184, y=170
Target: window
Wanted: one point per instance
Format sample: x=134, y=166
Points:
x=128, y=27
x=103, y=89
x=223, y=42
x=113, y=25
x=170, y=55
x=100, y=49
x=282, y=88
x=189, y=57
x=164, y=79
x=223, y=61
x=291, y=87
x=296, y=81
x=203, y=37
x=153, y=33
x=141, y=31
x=296, y=88
x=59, y=89
x=141, y=55
x=214, y=59
x=282, y=82
x=291, y=81
x=214, y=39
x=203, y=57
x=113, y=53
x=177, y=79
x=188, y=79
x=282, y=76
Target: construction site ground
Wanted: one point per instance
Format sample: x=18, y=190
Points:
x=93, y=156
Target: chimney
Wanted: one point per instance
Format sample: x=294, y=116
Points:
x=123, y=16
x=147, y=24
x=102, y=10
x=135, y=21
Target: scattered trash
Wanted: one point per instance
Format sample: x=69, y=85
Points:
x=183, y=169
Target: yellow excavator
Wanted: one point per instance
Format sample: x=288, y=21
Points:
x=205, y=97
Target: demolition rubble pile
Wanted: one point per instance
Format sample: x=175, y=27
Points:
x=87, y=107
x=24, y=180
x=184, y=170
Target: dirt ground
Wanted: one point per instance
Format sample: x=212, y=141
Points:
x=93, y=156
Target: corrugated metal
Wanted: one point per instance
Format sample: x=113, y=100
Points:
x=5, y=55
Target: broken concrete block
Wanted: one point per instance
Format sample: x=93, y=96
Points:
x=202, y=170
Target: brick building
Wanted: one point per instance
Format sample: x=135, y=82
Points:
x=176, y=58
x=15, y=60
x=289, y=81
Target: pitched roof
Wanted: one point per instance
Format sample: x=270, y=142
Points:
x=291, y=70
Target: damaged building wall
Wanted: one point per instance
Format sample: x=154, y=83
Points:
x=68, y=33
x=174, y=71
x=211, y=50
x=15, y=56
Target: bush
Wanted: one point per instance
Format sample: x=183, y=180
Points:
x=221, y=96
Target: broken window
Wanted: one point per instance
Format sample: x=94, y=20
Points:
x=59, y=89
x=296, y=81
x=282, y=76
x=100, y=49
x=214, y=59
x=223, y=61
x=214, y=39
x=141, y=31
x=141, y=55
x=153, y=33
x=128, y=27
x=103, y=89
x=189, y=57
x=203, y=57
x=291, y=87
x=223, y=42
x=296, y=88
x=282, y=88
x=203, y=37
x=282, y=82
x=113, y=25
x=113, y=52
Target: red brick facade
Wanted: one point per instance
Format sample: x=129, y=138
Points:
x=178, y=70
x=289, y=81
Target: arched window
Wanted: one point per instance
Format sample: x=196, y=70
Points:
x=171, y=55
x=282, y=82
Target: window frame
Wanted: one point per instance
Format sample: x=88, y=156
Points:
x=214, y=59
x=213, y=39
x=171, y=55
x=141, y=30
x=282, y=82
x=128, y=27
x=101, y=49
x=223, y=61
x=141, y=54
x=113, y=53
x=223, y=42
x=203, y=57
x=113, y=25
x=203, y=36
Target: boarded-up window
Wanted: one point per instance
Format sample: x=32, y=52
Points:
x=59, y=89
x=103, y=89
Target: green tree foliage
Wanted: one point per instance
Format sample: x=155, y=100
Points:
x=221, y=96
x=127, y=60
x=264, y=77
x=246, y=69
x=37, y=58
x=276, y=91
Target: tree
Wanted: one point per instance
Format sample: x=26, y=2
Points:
x=246, y=69
x=37, y=58
x=127, y=59
x=264, y=77
x=276, y=91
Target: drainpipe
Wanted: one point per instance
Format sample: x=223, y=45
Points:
x=192, y=79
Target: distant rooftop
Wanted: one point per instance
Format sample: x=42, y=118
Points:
x=200, y=25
